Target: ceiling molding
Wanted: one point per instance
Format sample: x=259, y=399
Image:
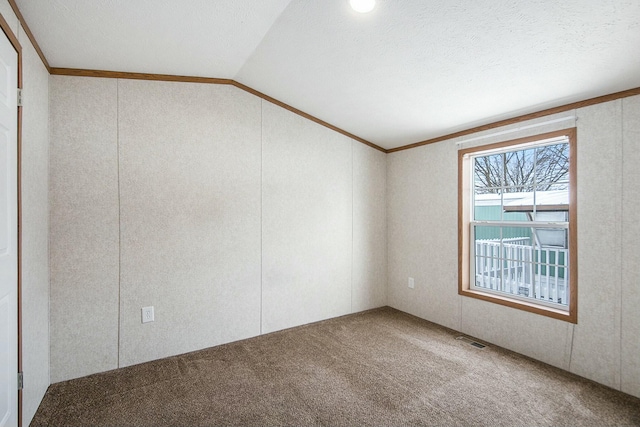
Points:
x=518, y=119
x=305, y=115
x=172, y=78
x=208, y=80
x=27, y=30
x=211, y=80
x=77, y=72
x=190, y=79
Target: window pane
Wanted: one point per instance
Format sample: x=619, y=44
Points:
x=552, y=164
x=488, y=173
x=551, y=276
x=552, y=238
x=487, y=207
x=551, y=203
x=517, y=204
x=512, y=260
x=488, y=257
x=517, y=235
x=520, y=168
x=483, y=232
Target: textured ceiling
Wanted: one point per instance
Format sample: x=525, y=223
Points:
x=408, y=71
x=205, y=38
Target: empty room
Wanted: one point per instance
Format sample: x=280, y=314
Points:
x=337, y=212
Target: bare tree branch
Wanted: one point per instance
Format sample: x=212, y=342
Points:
x=542, y=168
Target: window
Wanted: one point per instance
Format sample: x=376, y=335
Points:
x=517, y=224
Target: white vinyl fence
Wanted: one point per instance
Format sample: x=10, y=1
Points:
x=517, y=267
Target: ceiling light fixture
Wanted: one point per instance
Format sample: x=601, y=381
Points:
x=362, y=6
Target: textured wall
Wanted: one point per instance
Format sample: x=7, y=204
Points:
x=421, y=197
x=630, y=292
x=369, y=286
x=35, y=228
x=306, y=221
x=190, y=217
x=229, y=215
x=596, y=340
x=422, y=229
x=84, y=238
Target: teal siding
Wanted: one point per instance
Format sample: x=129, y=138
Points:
x=492, y=213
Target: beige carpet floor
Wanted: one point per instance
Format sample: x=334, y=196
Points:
x=380, y=367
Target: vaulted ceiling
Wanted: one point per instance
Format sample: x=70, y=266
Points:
x=409, y=70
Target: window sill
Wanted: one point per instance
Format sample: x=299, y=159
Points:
x=566, y=316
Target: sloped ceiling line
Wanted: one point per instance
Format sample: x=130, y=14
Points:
x=147, y=76
x=210, y=80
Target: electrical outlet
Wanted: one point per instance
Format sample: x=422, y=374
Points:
x=412, y=283
x=147, y=314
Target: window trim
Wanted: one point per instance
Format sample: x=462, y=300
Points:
x=464, y=208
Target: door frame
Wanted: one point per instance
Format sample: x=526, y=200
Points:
x=16, y=45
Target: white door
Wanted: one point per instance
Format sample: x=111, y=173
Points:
x=8, y=234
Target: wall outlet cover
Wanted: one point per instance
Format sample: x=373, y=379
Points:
x=147, y=314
